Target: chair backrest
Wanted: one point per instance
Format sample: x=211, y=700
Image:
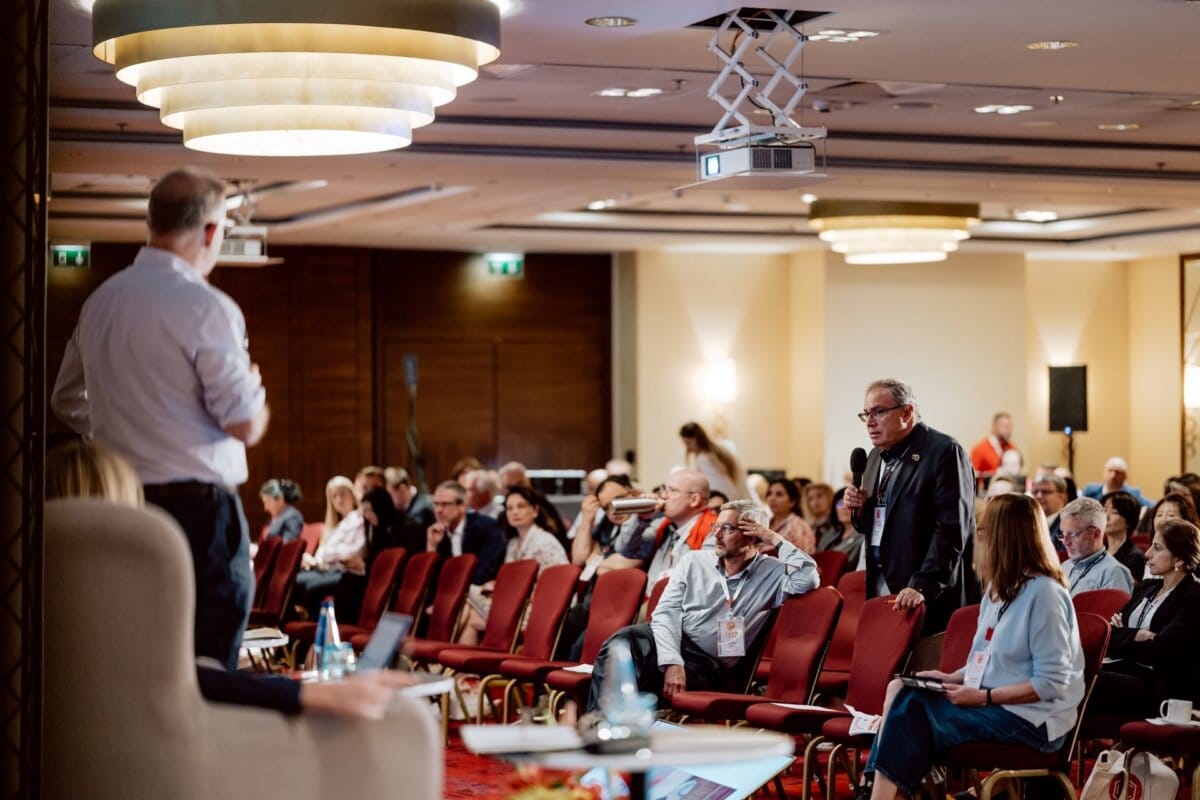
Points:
x=888, y=636
x=449, y=596
x=656, y=595
x=1104, y=602
x=385, y=572
x=264, y=559
x=283, y=577
x=960, y=633
x=547, y=610
x=1094, y=632
x=853, y=588
x=311, y=534
x=616, y=600
x=832, y=565
x=514, y=584
x=802, y=633
x=414, y=586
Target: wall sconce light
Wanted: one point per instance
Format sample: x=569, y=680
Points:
x=717, y=381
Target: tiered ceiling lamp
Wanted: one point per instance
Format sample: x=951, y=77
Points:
x=885, y=232
x=296, y=77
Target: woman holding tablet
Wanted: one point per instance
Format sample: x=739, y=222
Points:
x=1024, y=677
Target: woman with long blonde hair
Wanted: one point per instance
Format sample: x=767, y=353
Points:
x=343, y=545
x=714, y=461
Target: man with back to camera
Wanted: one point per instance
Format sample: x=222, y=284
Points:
x=457, y=532
x=158, y=370
x=916, y=507
x=1090, y=565
x=689, y=644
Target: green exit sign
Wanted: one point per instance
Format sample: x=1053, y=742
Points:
x=509, y=265
x=74, y=256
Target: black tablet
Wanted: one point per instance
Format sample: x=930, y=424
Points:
x=928, y=684
x=385, y=641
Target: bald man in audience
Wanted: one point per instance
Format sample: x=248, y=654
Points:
x=1116, y=472
x=1090, y=566
x=687, y=522
x=482, y=487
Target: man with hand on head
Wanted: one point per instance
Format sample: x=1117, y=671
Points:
x=158, y=370
x=714, y=607
x=916, y=507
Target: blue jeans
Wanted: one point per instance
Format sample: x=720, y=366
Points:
x=922, y=724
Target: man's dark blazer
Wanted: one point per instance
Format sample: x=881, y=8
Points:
x=483, y=537
x=1173, y=650
x=929, y=522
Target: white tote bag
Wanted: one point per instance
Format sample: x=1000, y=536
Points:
x=1134, y=775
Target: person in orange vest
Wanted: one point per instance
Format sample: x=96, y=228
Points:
x=988, y=451
x=687, y=522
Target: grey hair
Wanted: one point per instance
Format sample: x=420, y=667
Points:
x=1056, y=481
x=1087, y=510
x=748, y=509
x=902, y=394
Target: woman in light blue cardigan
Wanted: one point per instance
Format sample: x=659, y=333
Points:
x=1024, y=678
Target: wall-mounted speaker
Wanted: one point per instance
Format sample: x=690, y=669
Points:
x=1068, y=399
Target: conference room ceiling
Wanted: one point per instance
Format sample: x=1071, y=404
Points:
x=515, y=160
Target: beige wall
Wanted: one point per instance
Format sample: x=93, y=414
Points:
x=973, y=335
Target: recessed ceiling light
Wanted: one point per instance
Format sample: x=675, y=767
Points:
x=808, y=198
x=600, y=205
x=1056, y=98
x=1002, y=109
x=1035, y=216
x=618, y=91
x=839, y=35
x=1118, y=126
x=611, y=22
x=1053, y=44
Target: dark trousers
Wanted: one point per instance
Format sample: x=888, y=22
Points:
x=704, y=672
x=212, y=519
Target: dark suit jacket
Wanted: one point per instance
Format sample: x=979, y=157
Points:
x=420, y=511
x=930, y=520
x=1176, y=627
x=483, y=537
x=244, y=689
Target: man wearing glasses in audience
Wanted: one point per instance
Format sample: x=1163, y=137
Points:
x=916, y=508
x=1090, y=566
x=1051, y=493
x=687, y=522
x=713, y=610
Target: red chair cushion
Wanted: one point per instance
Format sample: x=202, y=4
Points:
x=530, y=670
x=575, y=684
x=790, y=720
x=715, y=705
x=838, y=730
x=1161, y=738
x=305, y=631
x=474, y=661
x=425, y=649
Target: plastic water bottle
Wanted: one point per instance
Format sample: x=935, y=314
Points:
x=327, y=637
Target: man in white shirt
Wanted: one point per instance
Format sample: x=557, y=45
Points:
x=457, y=532
x=158, y=370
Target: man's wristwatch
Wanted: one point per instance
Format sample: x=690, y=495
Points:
x=989, y=697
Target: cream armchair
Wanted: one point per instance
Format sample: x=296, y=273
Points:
x=124, y=717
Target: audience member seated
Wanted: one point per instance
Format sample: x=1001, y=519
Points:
x=513, y=474
x=687, y=522
x=716, y=500
x=457, y=532
x=817, y=505
x=524, y=526
x=1090, y=566
x=844, y=537
x=783, y=501
x=343, y=543
x=591, y=483
x=1116, y=471
x=1152, y=652
x=279, y=498
x=1188, y=484
x=1123, y=512
x=596, y=539
x=714, y=460
x=409, y=501
x=367, y=479
x=383, y=527
x=482, y=488
x=712, y=609
x=80, y=469
x=462, y=467
x=1029, y=681
x=1050, y=491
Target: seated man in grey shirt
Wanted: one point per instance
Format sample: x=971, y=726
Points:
x=712, y=609
x=1090, y=566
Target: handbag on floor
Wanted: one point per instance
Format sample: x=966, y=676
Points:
x=1133, y=775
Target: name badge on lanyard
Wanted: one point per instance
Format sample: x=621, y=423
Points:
x=731, y=629
x=977, y=663
x=877, y=525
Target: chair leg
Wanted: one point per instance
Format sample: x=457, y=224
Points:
x=810, y=762
x=484, y=683
x=831, y=770
x=779, y=791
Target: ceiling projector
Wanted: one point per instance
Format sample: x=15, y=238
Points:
x=752, y=160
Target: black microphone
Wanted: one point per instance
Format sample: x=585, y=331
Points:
x=858, y=465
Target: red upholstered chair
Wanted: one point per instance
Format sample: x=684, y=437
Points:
x=547, y=610
x=836, y=672
x=802, y=635
x=891, y=636
x=448, y=598
x=514, y=583
x=1007, y=762
x=264, y=559
x=832, y=565
x=1104, y=602
x=411, y=595
x=616, y=601
x=960, y=634
x=655, y=595
x=381, y=583
x=279, y=585
x=311, y=534
x=1167, y=740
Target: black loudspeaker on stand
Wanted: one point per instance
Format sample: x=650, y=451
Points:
x=1068, y=405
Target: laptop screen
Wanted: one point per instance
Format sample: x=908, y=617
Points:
x=381, y=649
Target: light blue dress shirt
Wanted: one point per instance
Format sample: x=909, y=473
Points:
x=1098, y=571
